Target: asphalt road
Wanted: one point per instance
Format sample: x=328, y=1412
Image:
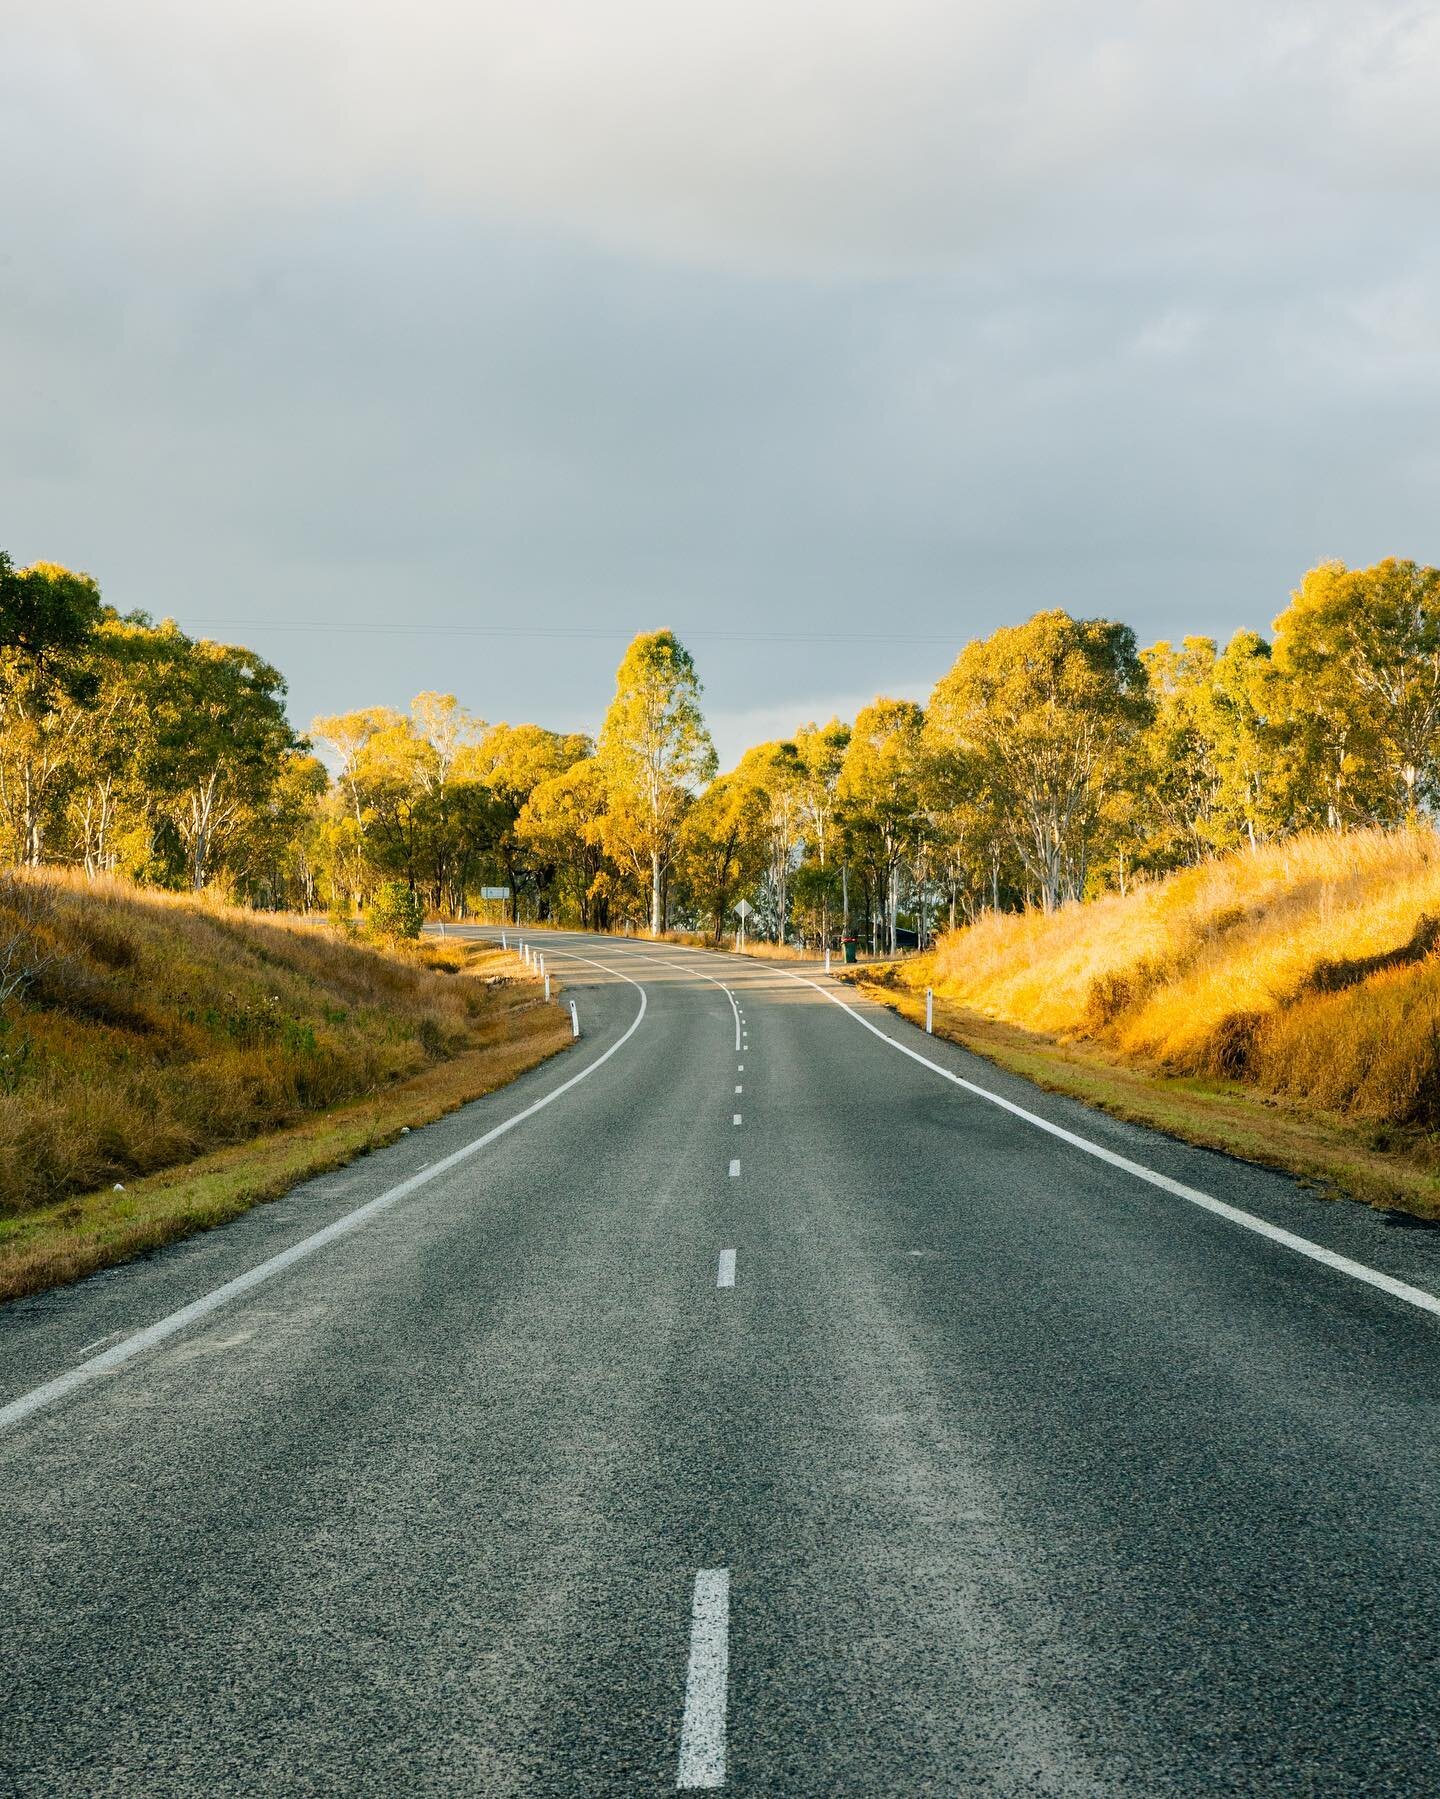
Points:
x=982, y=1465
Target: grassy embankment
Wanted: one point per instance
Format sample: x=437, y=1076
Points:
x=1282, y=1006
x=206, y=1058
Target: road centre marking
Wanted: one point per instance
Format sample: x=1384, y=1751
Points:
x=1249, y=1221
x=737, y=1118
x=163, y=1328
x=725, y=1274
x=739, y=1089
x=734, y=1169
x=635, y=955
x=1261, y=1227
x=702, y=1729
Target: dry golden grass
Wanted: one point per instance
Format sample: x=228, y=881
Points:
x=66, y=1241
x=162, y=1027
x=1307, y=970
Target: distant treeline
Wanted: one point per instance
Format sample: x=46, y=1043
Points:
x=1055, y=760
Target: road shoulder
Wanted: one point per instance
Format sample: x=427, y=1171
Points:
x=1330, y=1156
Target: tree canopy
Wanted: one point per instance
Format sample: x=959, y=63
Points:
x=656, y=752
x=1043, y=713
x=1053, y=761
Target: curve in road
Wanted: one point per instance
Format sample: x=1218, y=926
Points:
x=779, y=1417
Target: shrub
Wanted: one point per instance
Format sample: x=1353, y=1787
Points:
x=396, y=911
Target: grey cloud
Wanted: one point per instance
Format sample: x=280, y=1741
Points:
x=823, y=135
x=873, y=327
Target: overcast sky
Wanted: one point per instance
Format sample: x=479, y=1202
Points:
x=443, y=345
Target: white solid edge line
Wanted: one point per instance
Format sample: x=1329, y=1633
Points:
x=1274, y=1233
x=38, y=1397
x=734, y=1168
x=641, y=955
x=702, y=1728
x=1329, y=1258
x=725, y=1273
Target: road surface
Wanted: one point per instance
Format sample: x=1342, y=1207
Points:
x=792, y=1417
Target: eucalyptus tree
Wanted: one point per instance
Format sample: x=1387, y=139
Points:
x=221, y=737
x=879, y=787
x=1172, y=815
x=775, y=771
x=48, y=616
x=512, y=762
x=724, y=848
x=656, y=752
x=820, y=750
x=448, y=808
x=1360, y=652
x=560, y=828
x=1255, y=751
x=113, y=803
x=1047, y=711
x=48, y=619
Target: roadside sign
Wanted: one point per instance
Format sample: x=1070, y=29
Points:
x=744, y=909
x=494, y=893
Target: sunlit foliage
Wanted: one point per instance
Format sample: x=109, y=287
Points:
x=1055, y=761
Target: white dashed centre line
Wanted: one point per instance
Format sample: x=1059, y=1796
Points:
x=739, y=1089
x=725, y=1276
x=735, y=1169
x=702, y=1732
x=737, y=1118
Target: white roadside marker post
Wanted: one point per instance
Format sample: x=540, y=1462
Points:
x=827, y=958
x=574, y=1020
x=541, y=961
x=503, y=943
x=547, y=989
x=929, y=1012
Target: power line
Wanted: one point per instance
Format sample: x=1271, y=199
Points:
x=349, y=627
